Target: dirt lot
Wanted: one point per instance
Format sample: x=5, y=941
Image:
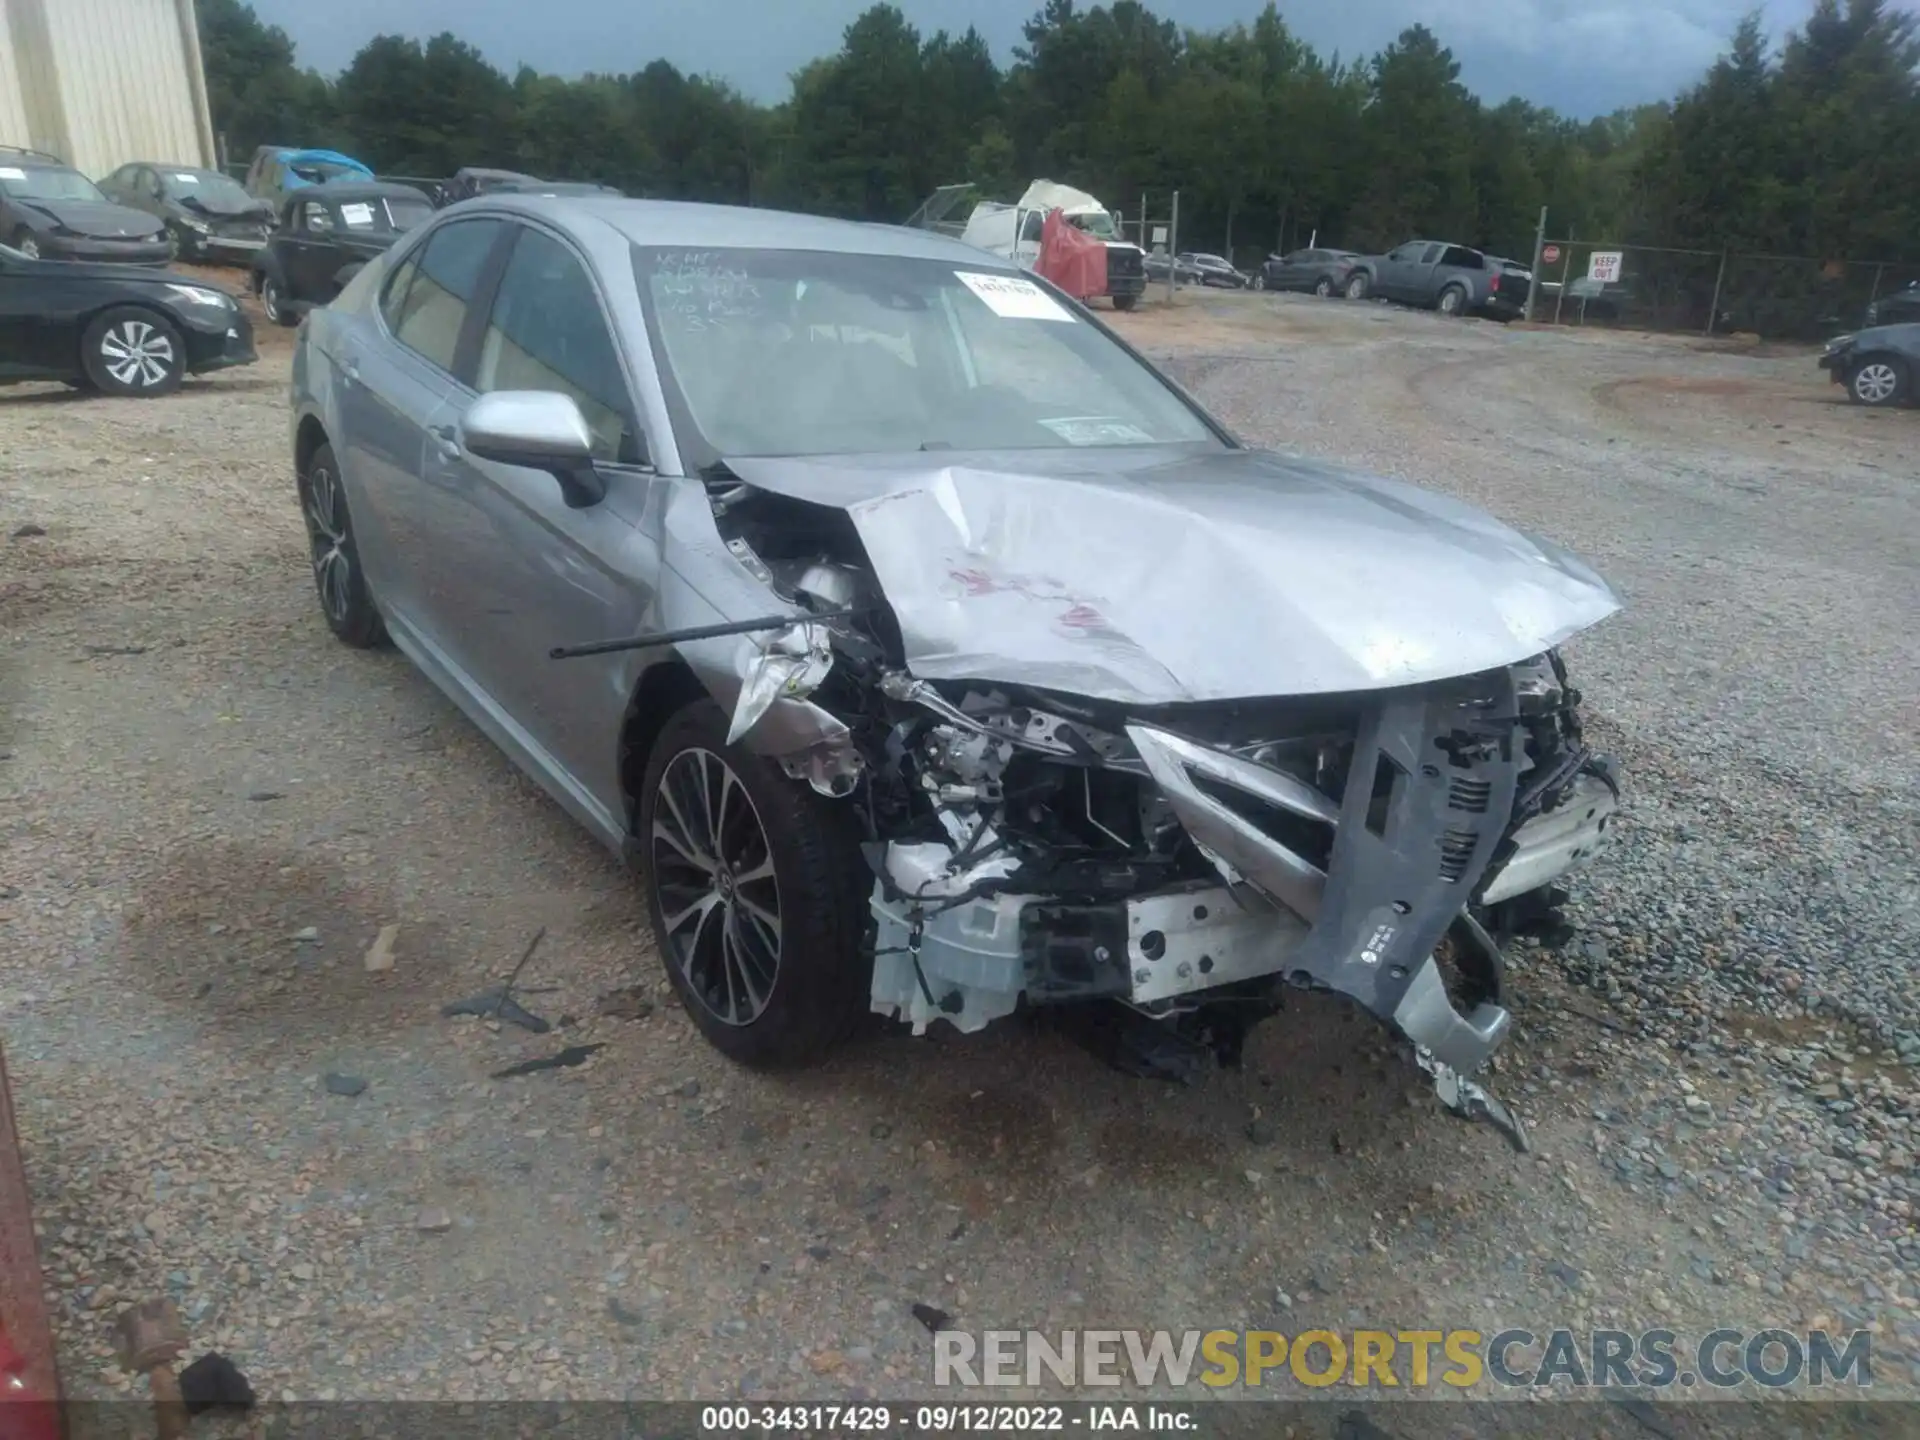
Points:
x=209, y=809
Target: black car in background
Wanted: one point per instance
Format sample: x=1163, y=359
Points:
x=1902, y=307
x=1319, y=272
x=49, y=210
x=209, y=216
x=327, y=233
x=472, y=180
x=1215, y=270
x=119, y=329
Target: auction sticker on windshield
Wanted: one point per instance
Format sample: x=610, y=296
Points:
x=9, y=172
x=186, y=179
x=1012, y=298
x=357, y=214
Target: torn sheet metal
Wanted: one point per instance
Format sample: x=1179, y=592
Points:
x=1095, y=571
x=789, y=666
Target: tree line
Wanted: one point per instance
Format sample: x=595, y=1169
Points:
x=1810, y=147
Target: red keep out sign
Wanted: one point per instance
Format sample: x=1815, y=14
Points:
x=1550, y=255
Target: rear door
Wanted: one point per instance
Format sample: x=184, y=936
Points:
x=397, y=377
x=536, y=573
x=307, y=252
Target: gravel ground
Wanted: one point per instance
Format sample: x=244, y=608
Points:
x=210, y=812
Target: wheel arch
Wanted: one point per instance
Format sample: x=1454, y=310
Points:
x=307, y=440
x=665, y=688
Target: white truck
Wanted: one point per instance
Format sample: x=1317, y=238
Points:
x=1013, y=231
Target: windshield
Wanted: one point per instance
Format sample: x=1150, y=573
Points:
x=786, y=352
x=404, y=211
x=1099, y=225
x=45, y=183
x=206, y=185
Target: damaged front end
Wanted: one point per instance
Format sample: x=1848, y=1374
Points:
x=1187, y=860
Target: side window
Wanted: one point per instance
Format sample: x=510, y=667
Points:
x=1433, y=255
x=315, y=218
x=395, y=294
x=1461, y=257
x=434, y=306
x=1404, y=254
x=547, y=332
x=1033, y=226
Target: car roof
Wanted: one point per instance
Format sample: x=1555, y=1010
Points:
x=170, y=165
x=32, y=162
x=296, y=155
x=359, y=190
x=675, y=223
x=489, y=172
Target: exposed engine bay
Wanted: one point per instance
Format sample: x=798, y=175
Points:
x=1189, y=861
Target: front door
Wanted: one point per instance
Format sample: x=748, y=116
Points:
x=309, y=253
x=539, y=573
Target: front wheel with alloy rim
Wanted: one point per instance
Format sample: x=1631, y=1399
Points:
x=345, y=600
x=754, y=883
x=1259, y=282
x=1323, y=287
x=1357, y=287
x=130, y=351
x=274, y=301
x=1876, y=381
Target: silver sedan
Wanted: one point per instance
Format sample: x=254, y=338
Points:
x=930, y=653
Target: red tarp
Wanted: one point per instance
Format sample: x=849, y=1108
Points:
x=29, y=1386
x=1071, y=259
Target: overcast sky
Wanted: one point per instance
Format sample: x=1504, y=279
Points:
x=1583, y=57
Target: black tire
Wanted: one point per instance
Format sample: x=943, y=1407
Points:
x=273, y=300
x=1125, y=302
x=711, y=921
x=1359, y=286
x=129, y=350
x=1323, y=287
x=338, y=579
x=1452, y=302
x=1259, y=282
x=1877, y=381
x=176, y=247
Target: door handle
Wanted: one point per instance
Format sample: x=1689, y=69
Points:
x=446, y=441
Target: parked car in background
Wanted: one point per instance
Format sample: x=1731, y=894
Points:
x=471, y=180
x=119, y=329
x=1319, y=272
x=1185, y=272
x=1453, y=279
x=1879, y=366
x=559, y=187
x=327, y=233
x=1899, y=308
x=50, y=211
x=1215, y=270
x=208, y=216
x=278, y=170
x=880, y=742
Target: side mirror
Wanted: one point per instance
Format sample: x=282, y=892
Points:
x=537, y=430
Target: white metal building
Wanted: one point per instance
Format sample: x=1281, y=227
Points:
x=103, y=82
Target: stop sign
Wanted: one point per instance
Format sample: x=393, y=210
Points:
x=1550, y=254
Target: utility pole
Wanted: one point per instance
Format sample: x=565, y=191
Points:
x=1533, y=273
x=1173, y=246
x=1713, y=307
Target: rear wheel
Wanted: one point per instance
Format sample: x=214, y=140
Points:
x=1358, y=287
x=1259, y=281
x=1323, y=287
x=1877, y=380
x=130, y=351
x=755, y=887
x=273, y=300
x=1125, y=302
x=1453, y=301
x=345, y=600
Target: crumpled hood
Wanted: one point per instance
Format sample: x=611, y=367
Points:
x=224, y=208
x=1154, y=575
x=98, y=219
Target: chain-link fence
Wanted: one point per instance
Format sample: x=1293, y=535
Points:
x=1644, y=287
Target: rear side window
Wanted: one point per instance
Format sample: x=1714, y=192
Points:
x=548, y=332
x=1462, y=257
x=428, y=313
